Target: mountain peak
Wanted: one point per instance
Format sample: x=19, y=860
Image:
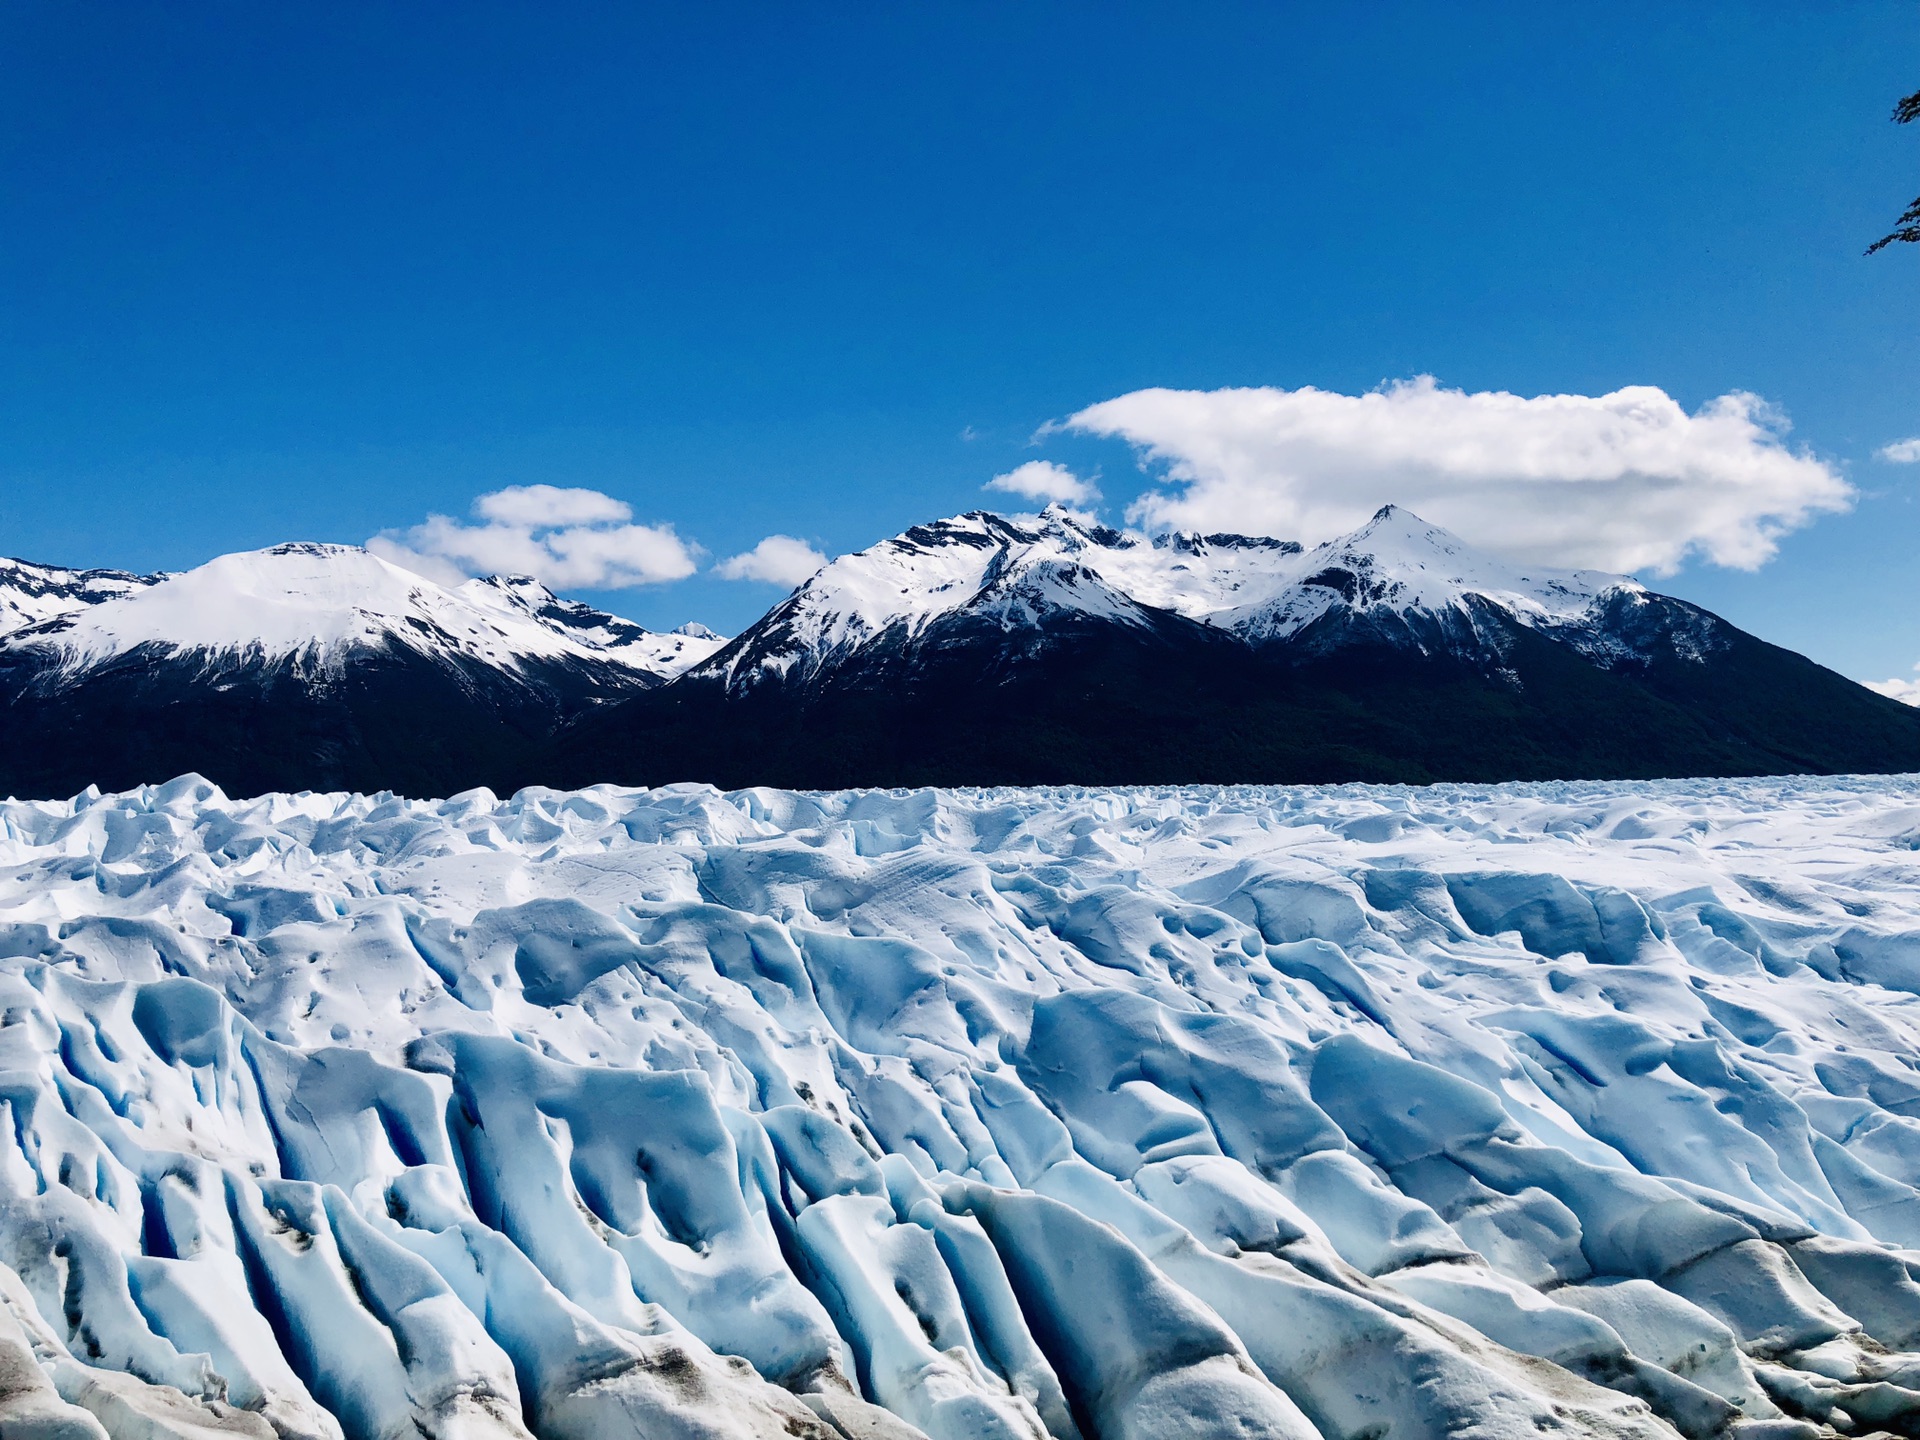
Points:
x=319, y=548
x=315, y=603
x=524, y=586
x=274, y=601
x=1399, y=563
x=1396, y=522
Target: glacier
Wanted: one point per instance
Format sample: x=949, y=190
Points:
x=1364, y=1113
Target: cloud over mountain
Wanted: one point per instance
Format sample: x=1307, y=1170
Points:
x=567, y=538
x=778, y=560
x=1623, y=481
x=1044, y=480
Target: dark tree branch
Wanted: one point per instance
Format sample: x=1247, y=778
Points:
x=1906, y=229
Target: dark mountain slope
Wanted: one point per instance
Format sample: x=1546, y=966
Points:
x=979, y=650
x=1120, y=706
x=388, y=720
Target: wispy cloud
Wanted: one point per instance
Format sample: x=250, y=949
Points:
x=778, y=560
x=1623, y=481
x=1044, y=480
x=566, y=538
x=1900, y=452
x=1905, y=690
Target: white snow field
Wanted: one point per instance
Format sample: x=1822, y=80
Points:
x=1370, y=1114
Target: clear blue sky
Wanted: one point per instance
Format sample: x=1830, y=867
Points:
x=314, y=271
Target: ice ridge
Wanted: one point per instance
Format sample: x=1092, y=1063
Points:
x=1316, y=1114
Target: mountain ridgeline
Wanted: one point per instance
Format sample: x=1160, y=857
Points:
x=978, y=650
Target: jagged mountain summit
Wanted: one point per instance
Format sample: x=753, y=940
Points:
x=1043, y=649
x=1054, y=574
x=303, y=666
x=988, y=573
x=981, y=649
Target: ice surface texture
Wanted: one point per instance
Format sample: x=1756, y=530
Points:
x=1369, y=1114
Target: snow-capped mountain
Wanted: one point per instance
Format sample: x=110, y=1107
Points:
x=315, y=607
x=1572, y=1111
x=1397, y=579
x=1001, y=573
x=306, y=666
x=978, y=649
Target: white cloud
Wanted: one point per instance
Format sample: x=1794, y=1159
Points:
x=1624, y=481
x=1900, y=452
x=778, y=559
x=568, y=539
x=1906, y=691
x=1044, y=480
x=544, y=507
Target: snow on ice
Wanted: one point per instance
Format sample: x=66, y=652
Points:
x=1366, y=1114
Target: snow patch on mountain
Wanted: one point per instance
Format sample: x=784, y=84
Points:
x=1359, y=1114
